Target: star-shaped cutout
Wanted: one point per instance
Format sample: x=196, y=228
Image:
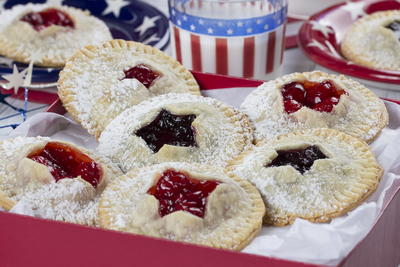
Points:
x=114, y=6
x=55, y=2
x=356, y=9
x=16, y=79
x=321, y=28
x=170, y=129
x=6, y=61
x=317, y=44
x=147, y=23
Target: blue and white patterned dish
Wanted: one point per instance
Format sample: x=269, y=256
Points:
x=126, y=19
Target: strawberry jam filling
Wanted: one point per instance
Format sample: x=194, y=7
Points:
x=169, y=129
x=143, y=74
x=395, y=27
x=64, y=161
x=300, y=159
x=177, y=191
x=315, y=95
x=48, y=17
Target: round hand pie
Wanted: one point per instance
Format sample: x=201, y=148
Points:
x=55, y=179
x=98, y=83
x=175, y=127
x=374, y=41
x=315, y=100
x=317, y=174
x=184, y=202
x=48, y=34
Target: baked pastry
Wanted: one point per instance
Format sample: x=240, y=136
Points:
x=374, y=41
x=48, y=34
x=175, y=127
x=315, y=100
x=184, y=202
x=316, y=174
x=52, y=179
x=98, y=83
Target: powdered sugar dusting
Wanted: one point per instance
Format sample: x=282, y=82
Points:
x=69, y=200
x=221, y=132
x=98, y=87
x=128, y=207
x=319, y=192
x=360, y=114
x=53, y=43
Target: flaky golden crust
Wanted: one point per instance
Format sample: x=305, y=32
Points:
x=369, y=43
x=92, y=86
x=332, y=186
x=226, y=231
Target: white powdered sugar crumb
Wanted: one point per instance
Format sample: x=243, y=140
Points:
x=70, y=201
x=11, y=146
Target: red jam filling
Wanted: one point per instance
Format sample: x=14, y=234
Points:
x=315, y=95
x=300, y=159
x=177, y=191
x=169, y=129
x=143, y=74
x=48, y=17
x=64, y=161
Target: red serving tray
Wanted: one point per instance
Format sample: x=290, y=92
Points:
x=28, y=241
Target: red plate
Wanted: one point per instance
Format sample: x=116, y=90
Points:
x=320, y=39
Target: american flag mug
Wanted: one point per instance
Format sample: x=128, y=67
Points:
x=230, y=37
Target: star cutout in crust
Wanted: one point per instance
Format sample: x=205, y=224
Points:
x=169, y=129
x=114, y=6
x=300, y=159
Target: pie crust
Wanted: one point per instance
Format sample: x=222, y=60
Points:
x=369, y=43
x=221, y=132
x=53, y=45
x=330, y=188
x=360, y=113
x=233, y=214
x=28, y=183
x=93, y=89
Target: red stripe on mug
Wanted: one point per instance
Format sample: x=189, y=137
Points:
x=221, y=55
x=270, y=52
x=178, y=45
x=248, y=57
x=196, y=52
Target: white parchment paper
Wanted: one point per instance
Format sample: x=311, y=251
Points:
x=324, y=243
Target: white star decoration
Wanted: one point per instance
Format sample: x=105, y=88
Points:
x=209, y=30
x=229, y=31
x=151, y=39
x=321, y=28
x=356, y=9
x=55, y=2
x=114, y=6
x=18, y=79
x=239, y=24
x=147, y=23
x=317, y=44
x=192, y=27
x=6, y=61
